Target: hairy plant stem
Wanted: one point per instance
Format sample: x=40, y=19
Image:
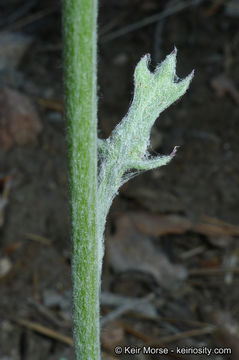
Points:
x=79, y=33
x=120, y=157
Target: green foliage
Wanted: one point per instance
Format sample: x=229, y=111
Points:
x=125, y=153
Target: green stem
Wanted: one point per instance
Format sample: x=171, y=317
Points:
x=79, y=32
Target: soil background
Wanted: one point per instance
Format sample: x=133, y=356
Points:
x=170, y=276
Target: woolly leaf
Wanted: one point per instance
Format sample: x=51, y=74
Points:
x=125, y=153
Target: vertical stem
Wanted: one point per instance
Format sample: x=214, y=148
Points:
x=79, y=33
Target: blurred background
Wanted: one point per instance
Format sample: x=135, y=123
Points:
x=171, y=266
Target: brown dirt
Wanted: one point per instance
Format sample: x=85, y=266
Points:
x=201, y=181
